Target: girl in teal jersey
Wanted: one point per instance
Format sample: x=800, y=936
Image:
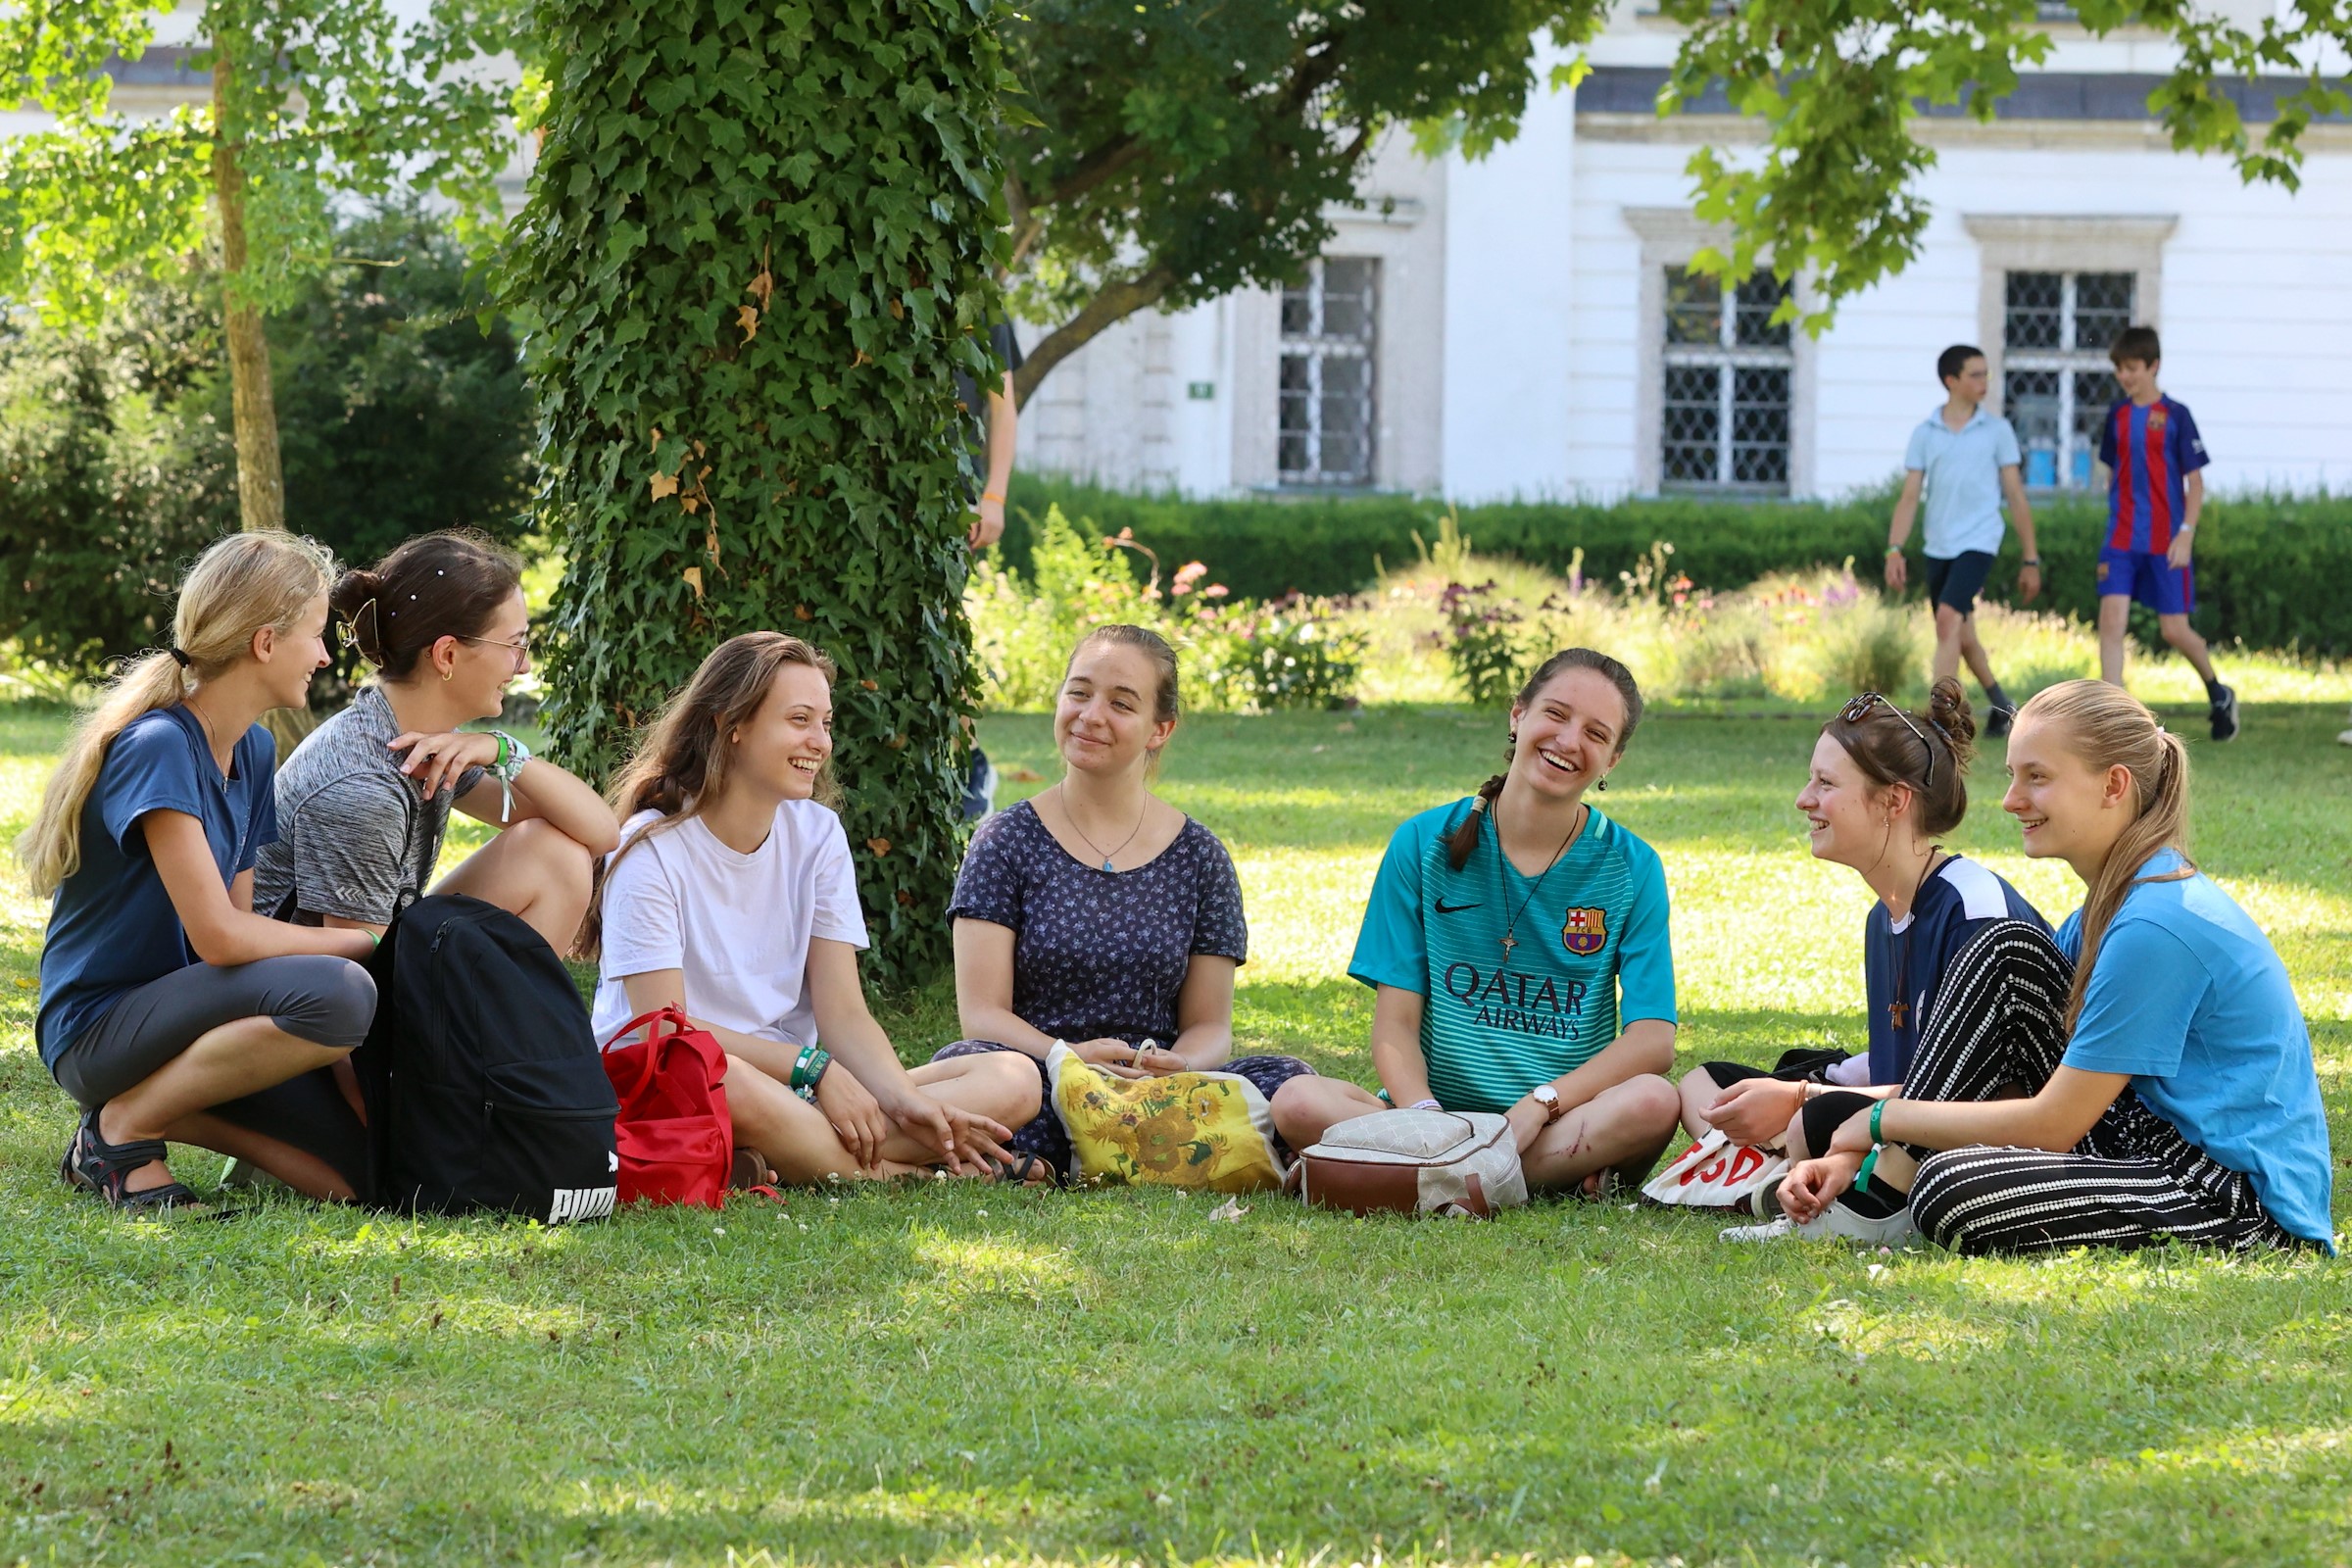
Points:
x=1517, y=945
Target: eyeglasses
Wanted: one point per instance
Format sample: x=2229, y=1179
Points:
x=1858, y=708
x=520, y=645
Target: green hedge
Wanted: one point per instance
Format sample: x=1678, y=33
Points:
x=2274, y=571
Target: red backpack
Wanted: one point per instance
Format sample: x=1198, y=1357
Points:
x=675, y=1137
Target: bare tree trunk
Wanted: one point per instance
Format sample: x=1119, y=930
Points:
x=1114, y=304
x=261, y=475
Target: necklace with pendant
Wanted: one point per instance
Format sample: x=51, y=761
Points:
x=1070, y=818
x=1899, y=1011
x=1511, y=930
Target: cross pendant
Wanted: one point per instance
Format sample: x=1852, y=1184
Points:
x=1508, y=943
x=1897, y=1011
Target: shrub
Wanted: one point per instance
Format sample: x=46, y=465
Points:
x=2274, y=570
x=397, y=414
x=1231, y=655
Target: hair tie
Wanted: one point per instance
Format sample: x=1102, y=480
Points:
x=181, y=654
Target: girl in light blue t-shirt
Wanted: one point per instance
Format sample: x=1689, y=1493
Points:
x=2169, y=1084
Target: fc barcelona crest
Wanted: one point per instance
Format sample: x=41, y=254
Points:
x=1585, y=932
x=2155, y=421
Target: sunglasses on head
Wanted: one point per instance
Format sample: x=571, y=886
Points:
x=1858, y=708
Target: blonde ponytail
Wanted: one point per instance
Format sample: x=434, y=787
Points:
x=2106, y=726
x=239, y=585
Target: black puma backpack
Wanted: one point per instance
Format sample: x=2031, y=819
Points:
x=483, y=1084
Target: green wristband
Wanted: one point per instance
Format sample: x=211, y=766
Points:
x=1870, y=1162
x=1875, y=1111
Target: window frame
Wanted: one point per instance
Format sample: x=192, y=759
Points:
x=2006, y=243
x=1318, y=347
x=1670, y=236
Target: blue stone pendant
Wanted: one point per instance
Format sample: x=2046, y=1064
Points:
x=1107, y=867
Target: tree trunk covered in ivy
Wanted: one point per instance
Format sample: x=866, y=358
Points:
x=758, y=244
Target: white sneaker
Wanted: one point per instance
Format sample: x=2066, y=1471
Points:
x=1836, y=1222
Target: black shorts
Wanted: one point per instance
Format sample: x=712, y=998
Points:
x=1957, y=582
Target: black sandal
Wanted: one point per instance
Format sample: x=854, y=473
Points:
x=96, y=1165
x=1021, y=1172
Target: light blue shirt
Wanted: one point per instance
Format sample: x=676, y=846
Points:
x=1963, y=468
x=2188, y=996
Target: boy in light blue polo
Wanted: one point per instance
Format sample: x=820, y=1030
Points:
x=1966, y=461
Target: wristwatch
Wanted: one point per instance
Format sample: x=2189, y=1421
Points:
x=1549, y=1099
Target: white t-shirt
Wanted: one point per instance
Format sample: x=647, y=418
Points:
x=738, y=926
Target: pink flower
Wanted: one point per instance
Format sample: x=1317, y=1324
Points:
x=1191, y=573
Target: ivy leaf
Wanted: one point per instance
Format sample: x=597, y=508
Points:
x=694, y=581
x=665, y=485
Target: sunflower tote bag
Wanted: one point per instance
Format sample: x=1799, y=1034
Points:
x=1211, y=1130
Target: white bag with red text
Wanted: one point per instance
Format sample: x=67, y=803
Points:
x=1716, y=1173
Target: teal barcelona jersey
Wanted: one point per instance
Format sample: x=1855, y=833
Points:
x=1592, y=953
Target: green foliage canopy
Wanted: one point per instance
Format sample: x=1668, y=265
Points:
x=757, y=246
x=1167, y=153
x=1840, y=88
x=398, y=413
x=321, y=98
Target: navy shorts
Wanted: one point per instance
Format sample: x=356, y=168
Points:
x=2150, y=577
x=1957, y=582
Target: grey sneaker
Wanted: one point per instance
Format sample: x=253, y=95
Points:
x=244, y=1173
x=1997, y=719
x=2224, y=714
x=1837, y=1222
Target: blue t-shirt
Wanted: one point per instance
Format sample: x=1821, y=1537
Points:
x=1963, y=478
x=111, y=926
x=2187, y=996
x=2150, y=452
x=1592, y=949
x=1959, y=900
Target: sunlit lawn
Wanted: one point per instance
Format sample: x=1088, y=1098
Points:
x=959, y=1372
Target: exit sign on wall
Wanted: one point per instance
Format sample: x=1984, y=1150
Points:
x=1201, y=391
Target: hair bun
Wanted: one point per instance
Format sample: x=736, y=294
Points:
x=1948, y=712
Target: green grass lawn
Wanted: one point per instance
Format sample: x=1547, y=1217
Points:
x=962, y=1372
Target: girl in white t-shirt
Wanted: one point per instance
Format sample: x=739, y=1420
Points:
x=732, y=896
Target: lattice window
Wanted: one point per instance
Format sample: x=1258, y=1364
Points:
x=1329, y=360
x=1726, y=384
x=2056, y=384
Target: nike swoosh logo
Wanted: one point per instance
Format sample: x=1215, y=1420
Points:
x=1453, y=908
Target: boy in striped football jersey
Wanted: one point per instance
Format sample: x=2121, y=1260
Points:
x=2152, y=453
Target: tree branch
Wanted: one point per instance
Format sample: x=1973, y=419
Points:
x=1113, y=303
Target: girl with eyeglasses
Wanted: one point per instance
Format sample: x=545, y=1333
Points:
x=1882, y=785
x=2147, y=1076
x=363, y=802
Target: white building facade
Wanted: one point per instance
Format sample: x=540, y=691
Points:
x=1523, y=326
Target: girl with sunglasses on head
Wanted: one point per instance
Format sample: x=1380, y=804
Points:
x=1882, y=785
x=2147, y=1075
x=363, y=802
x=1517, y=946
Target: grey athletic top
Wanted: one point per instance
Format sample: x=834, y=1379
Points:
x=354, y=832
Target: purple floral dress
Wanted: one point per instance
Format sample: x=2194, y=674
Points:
x=1103, y=954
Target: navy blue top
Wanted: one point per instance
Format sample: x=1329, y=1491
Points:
x=1959, y=900
x=111, y=926
x=1100, y=955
